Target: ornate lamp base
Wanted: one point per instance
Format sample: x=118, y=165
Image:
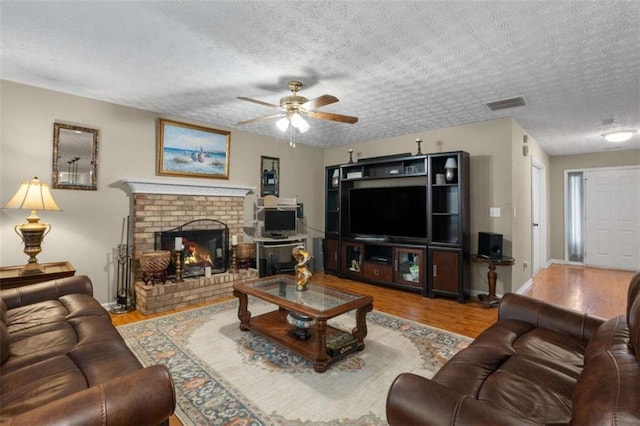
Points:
x=32, y=234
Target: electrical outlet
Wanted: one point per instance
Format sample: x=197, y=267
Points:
x=494, y=212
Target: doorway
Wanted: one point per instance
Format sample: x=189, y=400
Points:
x=538, y=216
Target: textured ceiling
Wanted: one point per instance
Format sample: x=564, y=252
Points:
x=401, y=67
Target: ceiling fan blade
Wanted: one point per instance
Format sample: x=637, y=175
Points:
x=255, y=101
x=319, y=102
x=333, y=117
x=266, y=117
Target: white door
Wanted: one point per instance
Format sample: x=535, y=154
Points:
x=537, y=217
x=612, y=222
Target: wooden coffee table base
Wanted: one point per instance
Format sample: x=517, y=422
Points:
x=274, y=326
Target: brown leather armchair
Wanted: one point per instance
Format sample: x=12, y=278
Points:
x=64, y=363
x=538, y=364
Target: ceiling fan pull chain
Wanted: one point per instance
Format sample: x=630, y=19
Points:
x=292, y=136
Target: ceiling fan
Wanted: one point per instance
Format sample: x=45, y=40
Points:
x=292, y=108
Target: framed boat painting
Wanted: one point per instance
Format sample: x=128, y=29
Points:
x=192, y=151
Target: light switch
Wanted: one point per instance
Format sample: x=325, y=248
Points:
x=494, y=212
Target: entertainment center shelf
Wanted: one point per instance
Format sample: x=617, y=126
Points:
x=405, y=167
x=400, y=221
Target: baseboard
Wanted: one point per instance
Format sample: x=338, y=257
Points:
x=109, y=305
x=525, y=287
x=564, y=262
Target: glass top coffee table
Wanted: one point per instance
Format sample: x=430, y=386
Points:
x=310, y=310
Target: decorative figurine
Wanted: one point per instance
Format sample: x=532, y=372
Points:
x=303, y=275
x=419, y=141
x=350, y=156
x=354, y=266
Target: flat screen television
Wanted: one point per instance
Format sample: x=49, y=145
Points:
x=395, y=212
x=280, y=221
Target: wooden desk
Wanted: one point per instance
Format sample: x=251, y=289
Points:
x=263, y=244
x=10, y=278
x=491, y=300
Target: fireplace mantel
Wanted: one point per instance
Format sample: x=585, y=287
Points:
x=177, y=187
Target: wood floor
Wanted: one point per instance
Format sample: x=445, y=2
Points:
x=600, y=292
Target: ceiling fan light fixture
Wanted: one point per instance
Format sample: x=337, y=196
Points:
x=283, y=124
x=619, y=135
x=299, y=123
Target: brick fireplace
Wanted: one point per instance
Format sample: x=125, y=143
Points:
x=162, y=204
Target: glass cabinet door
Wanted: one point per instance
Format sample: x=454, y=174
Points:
x=332, y=202
x=409, y=266
x=352, y=258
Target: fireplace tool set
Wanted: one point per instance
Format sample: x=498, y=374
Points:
x=123, y=274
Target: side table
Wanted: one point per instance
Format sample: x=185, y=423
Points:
x=10, y=278
x=491, y=300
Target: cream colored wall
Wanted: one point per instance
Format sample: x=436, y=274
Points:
x=579, y=162
x=88, y=229
x=521, y=212
x=500, y=177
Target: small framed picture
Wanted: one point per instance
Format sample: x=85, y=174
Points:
x=192, y=151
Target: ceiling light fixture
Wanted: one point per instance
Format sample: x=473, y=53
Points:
x=293, y=122
x=619, y=135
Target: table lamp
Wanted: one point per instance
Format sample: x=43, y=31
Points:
x=450, y=168
x=32, y=195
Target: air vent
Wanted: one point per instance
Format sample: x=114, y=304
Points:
x=506, y=103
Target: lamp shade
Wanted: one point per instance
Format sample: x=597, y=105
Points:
x=33, y=195
x=299, y=123
x=283, y=124
x=451, y=163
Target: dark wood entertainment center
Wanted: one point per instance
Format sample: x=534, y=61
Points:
x=431, y=258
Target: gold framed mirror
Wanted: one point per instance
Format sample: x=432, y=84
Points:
x=75, y=157
x=269, y=176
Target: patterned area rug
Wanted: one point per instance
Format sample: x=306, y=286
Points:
x=226, y=376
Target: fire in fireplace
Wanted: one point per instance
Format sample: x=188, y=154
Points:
x=205, y=243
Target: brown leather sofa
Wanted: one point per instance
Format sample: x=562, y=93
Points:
x=64, y=363
x=538, y=364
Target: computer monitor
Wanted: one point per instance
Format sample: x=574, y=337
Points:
x=278, y=221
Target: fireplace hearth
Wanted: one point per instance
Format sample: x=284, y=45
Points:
x=205, y=244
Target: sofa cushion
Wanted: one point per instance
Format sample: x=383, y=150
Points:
x=55, y=310
x=46, y=341
x=38, y=384
x=524, y=369
x=104, y=360
x=54, y=327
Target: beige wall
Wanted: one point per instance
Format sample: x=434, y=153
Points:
x=577, y=162
x=521, y=212
x=88, y=229
x=500, y=177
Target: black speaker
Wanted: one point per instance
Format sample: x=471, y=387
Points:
x=490, y=245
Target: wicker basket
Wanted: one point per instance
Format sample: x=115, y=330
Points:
x=154, y=261
x=245, y=250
